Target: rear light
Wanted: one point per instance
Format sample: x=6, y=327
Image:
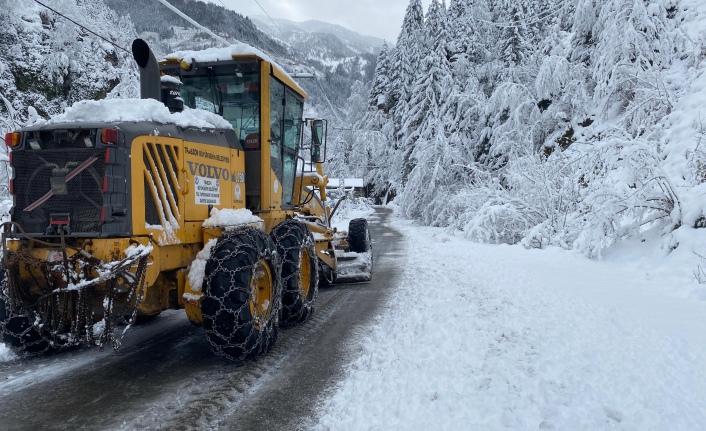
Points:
x=109, y=136
x=11, y=182
x=12, y=140
x=105, y=184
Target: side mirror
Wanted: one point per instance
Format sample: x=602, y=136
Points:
x=317, y=137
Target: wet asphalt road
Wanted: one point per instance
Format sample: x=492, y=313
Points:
x=165, y=377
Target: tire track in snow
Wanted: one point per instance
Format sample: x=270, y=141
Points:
x=201, y=405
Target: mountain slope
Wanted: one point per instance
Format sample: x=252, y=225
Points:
x=288, y=30
x=338, y=56
x=171, y=32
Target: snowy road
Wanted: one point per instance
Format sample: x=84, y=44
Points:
x=165, y=377
x=497, y=337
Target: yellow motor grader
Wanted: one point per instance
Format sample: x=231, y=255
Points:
x=115, y=220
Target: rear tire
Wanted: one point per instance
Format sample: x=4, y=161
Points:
x=241, y=295
x=300, y=271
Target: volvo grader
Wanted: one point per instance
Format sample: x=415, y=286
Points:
x=117, y=221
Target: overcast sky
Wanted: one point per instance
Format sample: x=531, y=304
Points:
x=381, y=18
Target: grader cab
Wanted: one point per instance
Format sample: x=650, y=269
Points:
x=119, y=215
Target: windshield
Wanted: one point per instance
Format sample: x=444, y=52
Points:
x=232, y=91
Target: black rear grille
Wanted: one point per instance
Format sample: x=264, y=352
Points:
x=83, y=200
x=151, y=212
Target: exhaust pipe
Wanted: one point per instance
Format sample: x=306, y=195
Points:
x=150, y=83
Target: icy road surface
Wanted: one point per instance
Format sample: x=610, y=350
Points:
x=165, y=376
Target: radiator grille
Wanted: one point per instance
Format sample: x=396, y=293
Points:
x=82, y=202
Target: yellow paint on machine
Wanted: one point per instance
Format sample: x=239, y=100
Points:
x=172, y=179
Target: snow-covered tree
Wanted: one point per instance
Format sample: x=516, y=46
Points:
x=381, y=86
x=405, y=63
x=426, y=153
x=47, y=62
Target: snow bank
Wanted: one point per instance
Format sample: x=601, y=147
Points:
x=349, y=209
x=6, y=354
x=5, y=207
x=499, y=337
x=123, y=110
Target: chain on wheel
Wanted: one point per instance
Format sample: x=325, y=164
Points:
x=300, y=271
x=241, y=294
x=75, y=300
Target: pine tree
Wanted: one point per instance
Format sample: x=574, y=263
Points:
x=426, y=147
x=430, y=85
x=381, y=81
x=513, y=45
x=406, y=62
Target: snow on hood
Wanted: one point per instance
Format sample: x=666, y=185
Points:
x=229, y=217
x=224, y=54
x=124, y=110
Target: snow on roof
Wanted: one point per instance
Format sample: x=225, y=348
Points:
x=224, y=54
x=346, y=182
x=125, y=110
x=170, y=79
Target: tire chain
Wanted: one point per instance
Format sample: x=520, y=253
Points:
x=64, y=317
x=292, y=238
x=232, y=330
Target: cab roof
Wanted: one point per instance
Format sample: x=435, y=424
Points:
x=238, y=51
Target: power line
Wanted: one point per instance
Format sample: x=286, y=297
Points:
x=83, y=27
x=268, y=16
x=244, y=25
x=329, y=102
x=188, y=18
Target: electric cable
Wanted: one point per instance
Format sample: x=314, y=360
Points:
x=188, y=18
x=83, y=27
x=268, y=16
x=237, y=15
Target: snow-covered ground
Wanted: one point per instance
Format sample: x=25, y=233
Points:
x=490, y=337
x=495, y=337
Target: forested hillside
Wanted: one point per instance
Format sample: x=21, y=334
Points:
x=545, y=122
x=338, y=57
x=48, y=63
x=151, y=16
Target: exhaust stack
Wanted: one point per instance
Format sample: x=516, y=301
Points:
x=150, y=84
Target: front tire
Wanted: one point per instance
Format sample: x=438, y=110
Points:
x=300, y=271
x=241, y=295
x=359, y=242
x=359, y=235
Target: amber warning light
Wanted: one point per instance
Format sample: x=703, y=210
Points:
x=109, y=136
x=12, y=140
